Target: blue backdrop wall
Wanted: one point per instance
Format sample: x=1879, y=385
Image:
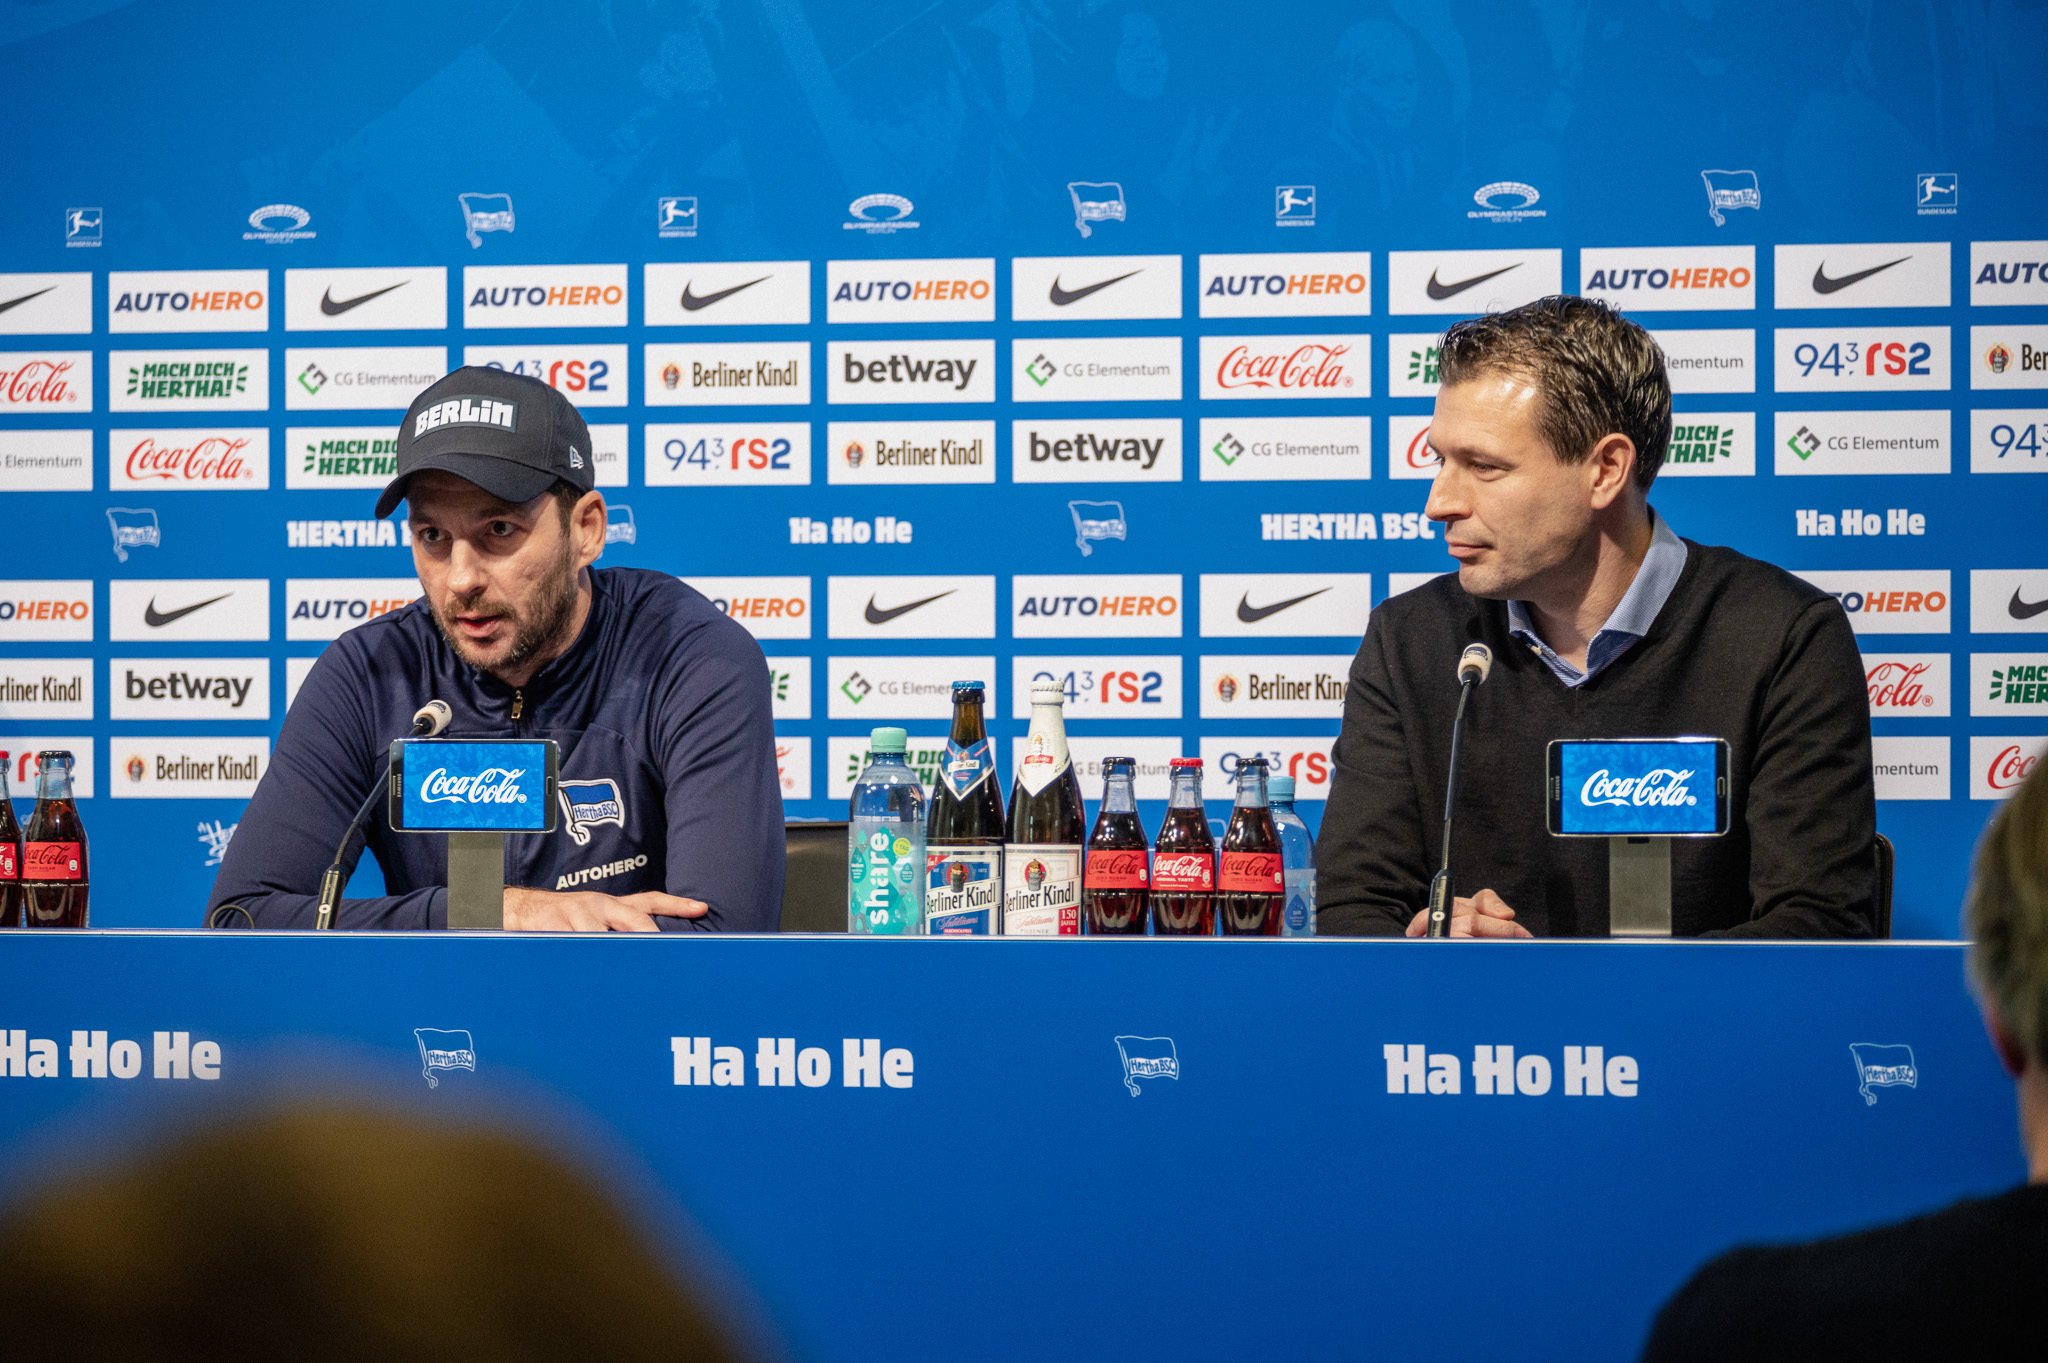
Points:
x=1158, y=282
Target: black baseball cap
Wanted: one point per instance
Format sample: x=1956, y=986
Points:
x=511, y=435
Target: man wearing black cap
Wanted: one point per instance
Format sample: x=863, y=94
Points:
x=671, y=810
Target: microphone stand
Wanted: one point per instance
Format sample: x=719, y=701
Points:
x=430, y=719
x=1440, y=885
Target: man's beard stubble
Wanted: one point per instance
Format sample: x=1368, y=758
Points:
x=536, y=630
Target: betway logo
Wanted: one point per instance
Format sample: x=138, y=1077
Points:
x=223, y=460
x=189, y=688
x=1286, y=366
x=911, y=371
x=1131, y=450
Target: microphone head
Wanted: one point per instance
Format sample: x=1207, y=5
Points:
x=430, y=719
x=1474, y=663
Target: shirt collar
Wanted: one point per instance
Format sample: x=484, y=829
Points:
x=1632, y=617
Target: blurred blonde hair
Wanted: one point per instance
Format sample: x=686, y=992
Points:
x=2008, y=915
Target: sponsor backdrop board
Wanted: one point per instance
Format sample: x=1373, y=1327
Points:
x=917, y=336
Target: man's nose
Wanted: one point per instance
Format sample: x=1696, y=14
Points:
x=1447, y=500
x=466, y=575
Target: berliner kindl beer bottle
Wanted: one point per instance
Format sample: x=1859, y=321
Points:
x=53, y=872
x=1042, y=864
x=964, y=841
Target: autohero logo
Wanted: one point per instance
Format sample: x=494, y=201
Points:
x=1104, y=288
x=761, y=374
x=1345, y=525
x=1890, y=601
x=1096, y=369
x=46, y=381
x=911, y=452
x=1238, y=605
x=1670, y=279
x=279, y=225
x=2009, y=601
x=46, y=304
x=1287, y=284
x=769, y=607
x=2009, y=684
x=2008, y=273
x=189, y=459
x=592, y=376
x=322, y=608
x=1306, y=759
x=727, y=293
x=1273, y=686
x=46, y=461
x=1097, y=606
x=1470, y=282
x=1862, y=442
x=544, y=296
x=2009, y=357
x=1913, y=274
x=1113, y=687
x=1862, y=359
x=1711, y=445
x=188, y=768
x=910, y=371
x=900, y=688
x=779, y=1063
x=402, y=298
x=46, y=688
x=731, y=454
x=1703, y=361
x=32, y=612
x=1285, y=449
x=910, y=290
x=1589, y=1072
x=188, y=688
x=235, y=610
x=188, y=300
x=1911, y=684
x=880, y=215
x=172, y=1055
x=188, y=380
x=1286, y=366
x=2000, y=765
x=1137, y=450
x=340, y=456
x=911, y=607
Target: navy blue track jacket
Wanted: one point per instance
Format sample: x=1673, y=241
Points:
x=661, y=695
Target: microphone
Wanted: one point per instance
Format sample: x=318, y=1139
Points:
x=427, y=721
x=1473, y=665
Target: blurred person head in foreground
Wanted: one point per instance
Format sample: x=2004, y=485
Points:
x=325, y=1232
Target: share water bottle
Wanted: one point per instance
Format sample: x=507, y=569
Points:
x=1297, y=861
x=885, y=842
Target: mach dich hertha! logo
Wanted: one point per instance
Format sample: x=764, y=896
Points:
x=1147, y=1057
x=444, y=1051
x=1880, y=1067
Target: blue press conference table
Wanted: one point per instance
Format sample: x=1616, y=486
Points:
x=1232, y=1179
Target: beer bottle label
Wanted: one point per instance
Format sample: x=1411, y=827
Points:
x=1043, y=760
x=1041, y=890
x=1250, y=873
x=1116, y=868
x=10, y=861
x=1184, y=871
x=962, y=769
x=963, y=890
x=52, y=861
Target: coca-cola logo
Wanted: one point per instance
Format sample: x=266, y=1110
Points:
x=1662, y=786
x=1420, y=455
x=208, y=459
x=1897, y=686
x=38, y=383
x=1311, y=365
x=50, y=861
x=1118, y=862
x=2010, y=767
x=1182, y=864
x=491, y=786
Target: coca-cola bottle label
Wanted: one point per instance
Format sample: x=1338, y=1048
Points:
x=1116, y=868
x=1249, y=873
x=1041, y=890
x=1043, y=759
x=965, y=768
x=963, y=890
x=1183, y=871
x=10, y=862
x=52, y=861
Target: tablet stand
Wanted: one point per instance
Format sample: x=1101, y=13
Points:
x=1638, y=887
x=476, y=881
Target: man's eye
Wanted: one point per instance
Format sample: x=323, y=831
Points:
x=427, y=534
x=503, y=528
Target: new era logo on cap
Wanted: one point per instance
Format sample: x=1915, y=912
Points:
x=466, y=411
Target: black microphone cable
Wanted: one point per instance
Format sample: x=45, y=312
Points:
x=1473, y=665
x=428, y=720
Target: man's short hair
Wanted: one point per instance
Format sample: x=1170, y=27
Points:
x=566, y=495
x=2008, y=915
x=1599, y=374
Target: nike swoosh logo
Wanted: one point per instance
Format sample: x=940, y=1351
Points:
x=1061, y=297
x=17, y=302
x=157, y=619
x=883, y=617
x=1822, y=284
x=334, y=309
x=1251, y=614
x=1443, y=291
x=2024, y=610
x=692, y=302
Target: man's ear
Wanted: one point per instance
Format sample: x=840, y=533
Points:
x=1612, y=466
x=586, y=528
x=2011, y=1054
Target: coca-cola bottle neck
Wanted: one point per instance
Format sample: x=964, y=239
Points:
x=53, y=778
x=1187, y=789
x=1119, y=796
x=1251, y=785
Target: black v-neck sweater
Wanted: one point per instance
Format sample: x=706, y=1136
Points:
x=1742, y=650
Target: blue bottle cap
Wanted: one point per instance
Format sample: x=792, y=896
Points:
x=890, y=740
x=1280, y=788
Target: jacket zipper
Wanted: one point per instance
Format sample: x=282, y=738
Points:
x=518, y=702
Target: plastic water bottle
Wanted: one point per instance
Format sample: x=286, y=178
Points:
x=1297, y=861
x=885, y=842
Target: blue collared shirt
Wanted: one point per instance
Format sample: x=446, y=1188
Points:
x=1631, y=619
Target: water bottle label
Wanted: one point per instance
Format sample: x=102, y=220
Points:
x=52, y=861
x=962, y=769
x=1041, y=890
x=882, y=871
x=1249, y=873
x=963, y=890
x=1301, y=900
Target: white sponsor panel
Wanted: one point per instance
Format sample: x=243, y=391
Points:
x=1861, y=442
x=33, y=611
x=543, y=296
x=188, y=380
x=1306, y=759
x=45, y=381
x=1285, y=449
x=46, y=304
x=728, y=454
x=845, y=755
x=2009, y=441
x=1253, y=605
x=399, y=298
x=1897, y=274
x=1890, y=600
x=1910, y=766
x=1698, y=360
x=1152, y=780
x=1710, y=445
x=2008, y=273
x=45, y=461
x=1862, y=359
x=1287, y=366
x=1998, y=765
x=610, y=453
x=189, y=459
x=910, y=371
x=1112, y=686
x=1110, y=450
x=175, y=610
x=1274, y=686
x=1408, y=582
x=353, y=378
x=1907, y=685
x=187, y=768
x=728, y=293
x=188, y=688
x=2009, y=600
x=1094, y=288
x=869, y=452
x=728, y=374
x=45, y=688
x=323, y=608
x=295, y=670
x=770, y=607
x=1095, y=369
x=910, y=290
x=2009, y=684
x=793, y=766
x=910, y=607
x=1467, y=283
x=188, y=300
x=359, y=457
x=1408, y=451
x=903, y=687
x=1669, y=278
x=1287, y=284
x=1097, y=606
x=18, y=756
x=590, y=375
x=789, y=686
x=1412, y=364
x=2009, y=357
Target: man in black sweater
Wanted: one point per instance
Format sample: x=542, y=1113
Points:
x=1551, y=423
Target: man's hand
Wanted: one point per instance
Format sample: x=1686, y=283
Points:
x=1484, y=914
x=588, y=911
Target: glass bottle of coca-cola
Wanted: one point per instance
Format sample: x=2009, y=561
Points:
x=1115, y=881
x=53, y=872
x=1250, y=889
x=963, y=846
x=1184, y=859
x=10, y=858
x=1042, y=863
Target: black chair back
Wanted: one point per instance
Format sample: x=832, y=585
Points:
x=1886, y=860
x=814, y=880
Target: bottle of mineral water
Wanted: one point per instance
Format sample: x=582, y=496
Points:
x=1297, y=861
x=885, y=842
